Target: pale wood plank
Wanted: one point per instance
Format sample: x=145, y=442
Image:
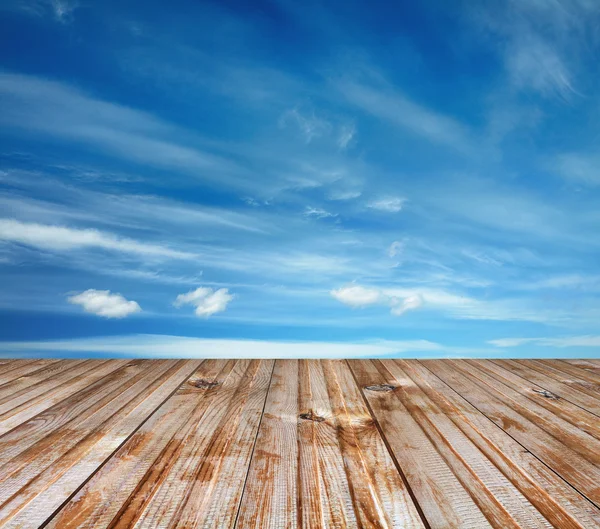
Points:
x=212, y=499
x=574, y=468
x=576, y=439
x=442, y=498
x=552, y=402
x=381, y=498
x=501, y=502
x=19, y=368
x=123, y=488
x=587, y=365
x=270, y=497
x=55, y=425
x=38, y=402
x=562, y=505
x=65, y=474
x=325, y=499
x=544, y=381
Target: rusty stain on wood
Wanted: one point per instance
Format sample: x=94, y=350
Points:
x=118, y=444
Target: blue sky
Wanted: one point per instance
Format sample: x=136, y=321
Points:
x=279, y=178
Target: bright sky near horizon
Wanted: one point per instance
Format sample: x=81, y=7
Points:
x=412, y=178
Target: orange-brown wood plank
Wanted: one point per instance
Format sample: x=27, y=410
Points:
x=54, y=389
x=14, y=369
x=441, y=495
x=38, y=481
x=556, y=454
x=554, y=386
x=560, y=503
x=122, y=489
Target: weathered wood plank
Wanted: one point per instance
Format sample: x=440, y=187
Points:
x=501, y=502
x=213, y=497
x=270, y=497
x=325, y=499
x=380, y=495
x=76, y=381
x=441, y=496
x=576, y=439
x=51, y=484
x=122, y=488
x=574, y=468
x=18, y=368
x=560, y=503
x=548, y=383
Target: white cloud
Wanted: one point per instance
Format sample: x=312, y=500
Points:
x=357, y=296
x=400, y=306
x=105, y=304
x=578, y=168
x=60, y=238
x=396, y=108
x=310, y=125
x=567, y=341
x=388, y=204
x=395, y=248
x=63, y=9
x=206, y=300
x=534, y=64
x=319, y=213
x=346, y=135
x=160, y=346
x=56, y=110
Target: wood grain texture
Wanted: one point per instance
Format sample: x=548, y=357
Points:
x=124, y=444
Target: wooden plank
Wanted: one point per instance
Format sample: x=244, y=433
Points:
x=325, y=499
x=19, y=368
x=502, y=503
x=576, y=439
x=570, y=465
x=270, y=497
x=562, y=505
x=56, y=425
x=20, y=389
x=380, y=495
x=552, y=402
x=100, y=438
x=587, y=365
x=128, y=482
x=212, y=500
x=552, y=385
x=441, y=496
x=38, y=402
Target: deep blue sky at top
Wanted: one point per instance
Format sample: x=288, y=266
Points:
x=418, y=176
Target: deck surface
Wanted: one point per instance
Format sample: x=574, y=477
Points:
x=299, y=443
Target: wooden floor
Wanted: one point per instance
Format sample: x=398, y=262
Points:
x=288, y=443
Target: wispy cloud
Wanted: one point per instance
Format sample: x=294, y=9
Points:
x=205, y=300
x=53, y=109
x=61, y=238
x=318, y=213
x=578, y=168
x=346, y=135
x=566, y=341
x=394, y=107
x=160, y=346
x=309, y=125
x=388, y=204
x=103, y=303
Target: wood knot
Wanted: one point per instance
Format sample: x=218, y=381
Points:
x=381, y=387
x=545, y=393
x=311, y=416
x=203, y=383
